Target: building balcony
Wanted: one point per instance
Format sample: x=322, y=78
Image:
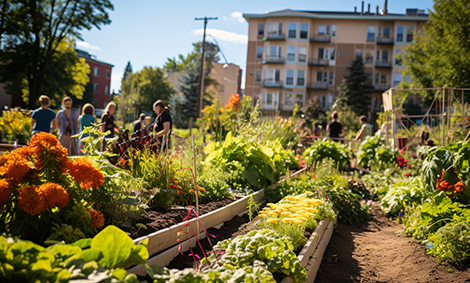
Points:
x=317, y=85
x=271, y=83
x=381, y=87
x=275, y=35
x=320, y=38
x=318, y=62
x=384, y=40
x=287, y=106
x=274, y=59
x=383, y=64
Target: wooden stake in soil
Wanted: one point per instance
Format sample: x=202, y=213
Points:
x=195, y=178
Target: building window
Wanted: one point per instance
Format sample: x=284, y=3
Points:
x=270, y=99
x=261, y=29
x=321, y=53
x=301, y=78
x=275, y=51
x=385, y=56
x=289, y=77
x=300, y=99
x=358, y=53
x=369, y=57
x=95, y=87
x=321, y=30
x=259, y=52
x=328, y=30
x=322, y=77
x=303, y=31
x=400, y=34
x=331, y=78
x=108, y=74
x=292, y=30
x=257, y=75
x=106, y=89
x=370, y=33
x=291, y=53
x=302, y=54
x=322, y=99
x=386, y=33
x=97, y=72
x=332, y=54
x=398, y=61
x=409, y=34
x=369, y=77
x=333, y=30
x=288, y=99
x=396, y=79
x=380, y=79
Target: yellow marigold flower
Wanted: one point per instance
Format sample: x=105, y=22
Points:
x=97, y=219
x=271, y=204
x=31, y=200
x=55, y=194
x=297, y=221
x=5, y=191
x=285, y=213
x=272, y=220
x=300, y=218
x=288, y=220
x=82, y=171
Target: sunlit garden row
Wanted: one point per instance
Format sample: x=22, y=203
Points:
x=68, y=218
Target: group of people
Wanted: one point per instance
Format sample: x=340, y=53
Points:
x=334, y=129
x=70, y=123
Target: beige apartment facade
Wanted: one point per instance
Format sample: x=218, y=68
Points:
x=228, y=77
x=294, y=56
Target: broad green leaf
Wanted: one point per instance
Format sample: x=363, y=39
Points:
x=115, y=245
x=83, y=243
x=91, y=255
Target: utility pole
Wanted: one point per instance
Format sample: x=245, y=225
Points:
x=201, y=72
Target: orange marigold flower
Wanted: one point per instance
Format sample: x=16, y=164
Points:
x=201, y=189
x=23, y=151
x=14, y=166
x=97, y=219
x=83, y=172
x=31, y=200
x=233, y=102
x=49, y=152
x=55, y=194
x=5, y=191
x=42, y=138
x=459, y=187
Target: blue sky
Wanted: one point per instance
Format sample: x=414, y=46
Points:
x=147, y=32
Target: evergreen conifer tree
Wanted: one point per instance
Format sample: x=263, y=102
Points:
x=355, y=90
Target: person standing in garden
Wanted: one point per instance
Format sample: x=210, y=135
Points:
x=365, y=131
x=43, y=117
x=139, y=123
x=163, y=123
x=87, y=119
x=107, y=120
x=68, y=126
x=317, y=130
x=335, y=129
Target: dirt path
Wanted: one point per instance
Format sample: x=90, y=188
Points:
x=373, y=252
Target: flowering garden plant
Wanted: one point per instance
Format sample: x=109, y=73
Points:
x=40, y=186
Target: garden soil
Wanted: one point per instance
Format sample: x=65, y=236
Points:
x=373, y=251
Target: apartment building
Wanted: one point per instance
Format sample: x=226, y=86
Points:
x=294, y=56
x=100, y=77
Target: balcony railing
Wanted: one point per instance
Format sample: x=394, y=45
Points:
x=383, y=64
x=320, y=38
x=381, y=87
x=274, y=59
x=318, y=62
x=317, y=85
x=384, y=40
x=271, y=83
x=275, y=35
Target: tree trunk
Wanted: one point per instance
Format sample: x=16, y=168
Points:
x=34, y=88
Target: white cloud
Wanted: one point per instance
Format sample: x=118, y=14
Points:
x=86, y=45
x=224, y=35
x=237, y=16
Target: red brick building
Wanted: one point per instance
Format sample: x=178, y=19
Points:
x=100, y=77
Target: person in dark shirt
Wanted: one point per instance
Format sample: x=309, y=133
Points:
x=163, y=123
x=335, y=129
x=138, y=124
x=108, y=120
